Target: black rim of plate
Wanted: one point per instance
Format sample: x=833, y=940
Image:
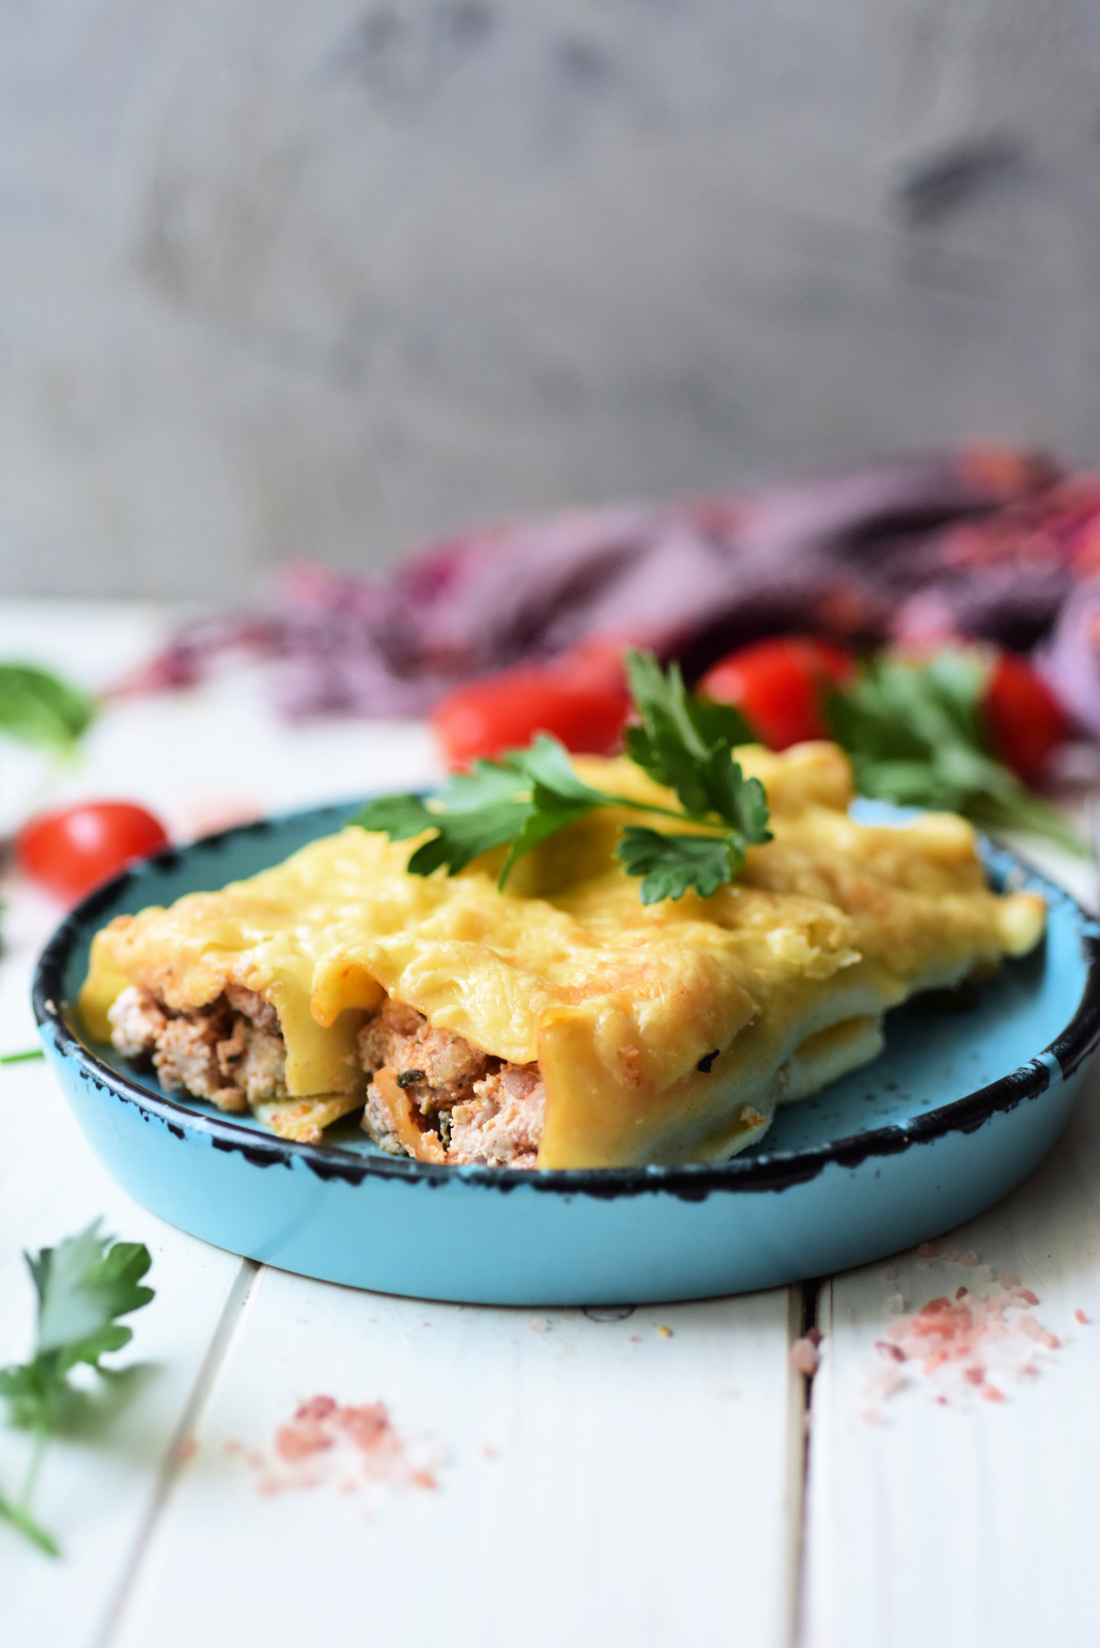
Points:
x=761, y=1171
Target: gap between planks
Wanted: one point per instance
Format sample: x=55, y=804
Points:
x=804, y=1309
x=176, y=1453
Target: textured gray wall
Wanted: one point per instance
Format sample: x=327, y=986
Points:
x=325, y=277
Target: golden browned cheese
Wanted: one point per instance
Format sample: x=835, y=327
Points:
x=664, y=1033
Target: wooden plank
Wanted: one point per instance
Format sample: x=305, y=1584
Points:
x=98, y=1482
x=619, y=1480
x=966, y=1521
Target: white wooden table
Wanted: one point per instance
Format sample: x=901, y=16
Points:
x=653, y=1478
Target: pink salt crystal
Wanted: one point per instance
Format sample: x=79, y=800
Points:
x=968, y=1258
x=368, y=1427
x=928, y=1250
x=303, y=1436
x=888, y=1275
x=1027, y=1324
x=317, y=1407
x=951, y=1256
x=1028, y=1297
x=1052, y=1341
x=1008, y=1279
x=1080, y=1316
x=990, y=1393
x=890, y=1350
x=804, y=1357
x=960, y=1293
x=974, y=1376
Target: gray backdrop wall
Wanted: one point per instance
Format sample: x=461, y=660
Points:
x=325, y=277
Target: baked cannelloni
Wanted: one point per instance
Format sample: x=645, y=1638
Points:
x=561, y=1022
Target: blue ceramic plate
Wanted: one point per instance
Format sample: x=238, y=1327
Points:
x=971, y=1092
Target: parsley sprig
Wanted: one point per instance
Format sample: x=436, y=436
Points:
x=529, y=795
x=84, y=1285
x=914, y=734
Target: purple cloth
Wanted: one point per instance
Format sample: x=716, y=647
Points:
x=841, y=554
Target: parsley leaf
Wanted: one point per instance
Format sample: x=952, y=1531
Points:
x=914, y=734
x=475, y=813
x=39, y=708
x=671, y=864
x=83, y=1284
x=529, y=795
x=683, y=741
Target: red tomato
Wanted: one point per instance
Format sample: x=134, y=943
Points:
x=1024, y=719
x=585, y=710
x=71, y=851
x=780, y=686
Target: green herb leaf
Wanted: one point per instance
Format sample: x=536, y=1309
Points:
x=914, y=735
x=471, y=816
x=22, y=1058
x=529, y=795
x=671, y=864
x=683, y=742
x=84, y=1285
x=39, y=708
x=27, y=1526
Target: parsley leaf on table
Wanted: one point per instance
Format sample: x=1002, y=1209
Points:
x=914, y=735
x=528, y=795
x=39, y=708
x=84, y=1285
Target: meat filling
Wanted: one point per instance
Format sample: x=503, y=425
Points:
x=231, y=1052
x=434, y=1096
x=430, y=1094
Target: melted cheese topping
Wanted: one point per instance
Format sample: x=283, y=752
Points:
x=663, y=1033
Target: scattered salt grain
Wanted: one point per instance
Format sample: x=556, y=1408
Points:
x=1079, y=1316
x=928, y=1250
x=888, y=1275
x=325, y=1444
x=804, y=1357
x=966, y=1258
x=666, y=1333
x=953, y=1345
x=539, y=1324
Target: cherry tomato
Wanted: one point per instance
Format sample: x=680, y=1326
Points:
x=71, y=851
x=1024, y=719
x=585, y=709
x=780, y=685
